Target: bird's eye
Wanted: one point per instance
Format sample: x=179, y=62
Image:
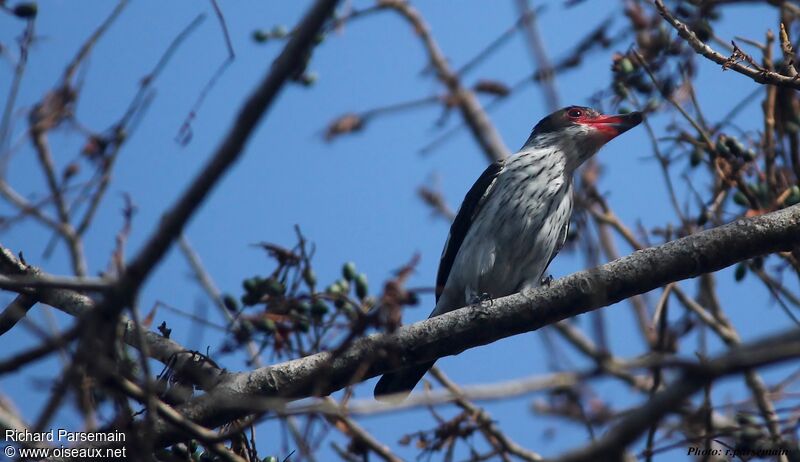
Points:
x=574, y=114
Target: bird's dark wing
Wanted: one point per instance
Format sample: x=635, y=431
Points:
x=463, y=221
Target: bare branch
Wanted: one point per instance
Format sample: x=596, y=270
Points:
x=227, y=153
x=635, y=423
x=758, y=75
x=481, y=127
x=488, y=425
x=456, y=331
x=539, y=54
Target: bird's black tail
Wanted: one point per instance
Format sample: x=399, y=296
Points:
x=395, y=386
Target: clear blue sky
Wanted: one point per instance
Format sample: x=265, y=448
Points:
x=354, y=198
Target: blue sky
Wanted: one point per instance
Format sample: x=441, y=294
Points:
x=354, y=198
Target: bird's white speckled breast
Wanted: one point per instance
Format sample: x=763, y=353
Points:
x=516, y=232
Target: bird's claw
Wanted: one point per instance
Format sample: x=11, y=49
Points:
x=481, y=299
x=546, y=280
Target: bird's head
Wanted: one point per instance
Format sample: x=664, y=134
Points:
x=579, y=132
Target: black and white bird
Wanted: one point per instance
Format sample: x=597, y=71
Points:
x=514, y=219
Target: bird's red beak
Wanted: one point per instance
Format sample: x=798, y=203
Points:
x=614, y=125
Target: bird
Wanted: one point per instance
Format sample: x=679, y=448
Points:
x=513, y=220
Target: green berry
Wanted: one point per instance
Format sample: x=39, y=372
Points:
x=230, y=303
x=696, y=157
x=362, y=288
x=274, y=287
x=319, y=308
x=349, y=270
x=26, y=10
x=626, y=66
x=735, y=146
x=333, y=289
x=346, y=308
x=303, y=325
x=309, y=277
x=741, y=199
x=741, y=271
x=722, y=147
x=308, y=78
x=250, y=299
x=303, y=307
x=703, y=30
x=267, y=325
x=252, y=284
x=279, y=31
x=621, y=90
x=260, y=36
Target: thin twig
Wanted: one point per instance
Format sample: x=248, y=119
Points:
x=758, y=75
x=539, y=55
x=485, y=420
x=471, y=110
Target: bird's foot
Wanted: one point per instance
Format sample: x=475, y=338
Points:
x=546, y=280
x=481, y=299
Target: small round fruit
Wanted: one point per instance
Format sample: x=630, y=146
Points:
x=349, y=271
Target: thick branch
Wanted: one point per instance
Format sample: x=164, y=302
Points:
x=184, y=362
x=462, y=329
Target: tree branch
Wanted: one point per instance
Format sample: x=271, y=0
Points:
x=758, y=75
x=694, y=378
x=475, y=117
x=462, y=329
x=176, y=218
x=184, y=362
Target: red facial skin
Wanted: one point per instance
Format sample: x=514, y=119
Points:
x=607, y=125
